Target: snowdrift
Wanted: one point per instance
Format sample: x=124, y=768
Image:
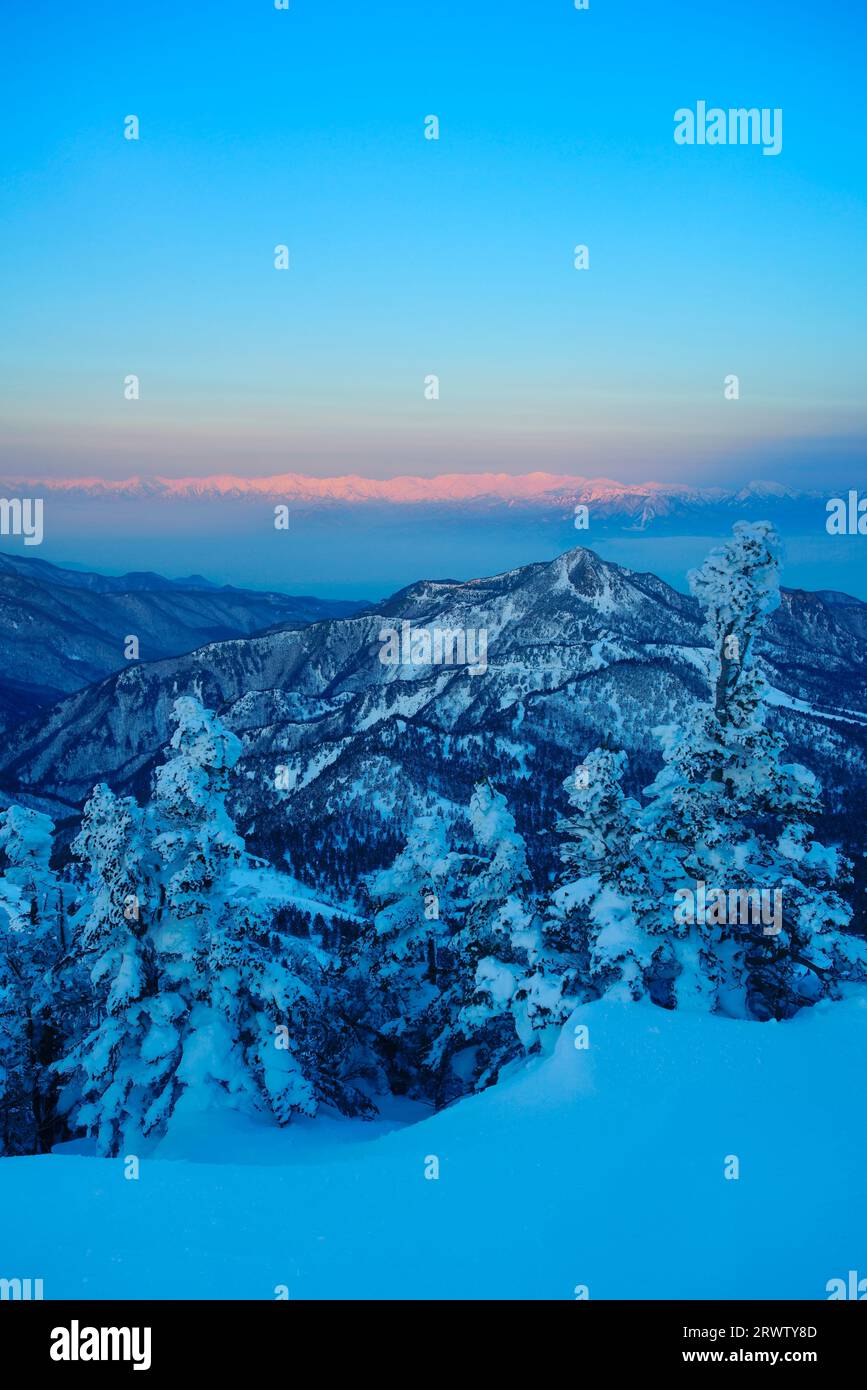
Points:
x=601, y=1166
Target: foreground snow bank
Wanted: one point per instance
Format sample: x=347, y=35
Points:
x=602, y=1167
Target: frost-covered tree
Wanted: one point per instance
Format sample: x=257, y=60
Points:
x=405, y=954
x=496, y=949
x=199, y=999
x=743, y=901
x=507, y=980
x=593, y=910
x=31, y=1007
x=244, y=1024
x=116, y=1066
x=196, y=1049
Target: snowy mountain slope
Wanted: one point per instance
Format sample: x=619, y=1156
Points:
x=580, y=1169
x=63, y=629
x=577, y=649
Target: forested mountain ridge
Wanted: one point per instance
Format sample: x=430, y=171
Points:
x=578, y=650
x=62, y=629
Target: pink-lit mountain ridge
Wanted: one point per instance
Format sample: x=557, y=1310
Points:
x=639, y=503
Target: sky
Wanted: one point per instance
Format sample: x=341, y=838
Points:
x=411, y=257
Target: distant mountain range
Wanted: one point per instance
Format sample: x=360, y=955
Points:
x=579, y=650
x=640, y=502
x=62, y=629
x=357, y=537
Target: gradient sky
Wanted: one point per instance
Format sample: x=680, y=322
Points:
x=410, y=256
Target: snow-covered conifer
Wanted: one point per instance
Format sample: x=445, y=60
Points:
x=31, y=947
x=118, y=1064
x=593, y=912
x=246, y=1026
x=405, y=954
x=746, y=900
x=504, y=987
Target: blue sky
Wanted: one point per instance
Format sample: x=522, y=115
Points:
x=410, y=256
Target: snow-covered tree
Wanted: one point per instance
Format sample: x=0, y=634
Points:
x=116, y=1067
x=506, y=983
x=744, y=903
x=31, y=947
x=246, y=1026
x=405, y=954
x=593, y=910
x=196, y=1050
x=198, y=999
x=206, y=934
x=497, y=947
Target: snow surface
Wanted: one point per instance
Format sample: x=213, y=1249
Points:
x=272, y=886
x=780, y=699
x=602, y=1167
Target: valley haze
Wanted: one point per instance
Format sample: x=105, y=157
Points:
x=354, y=537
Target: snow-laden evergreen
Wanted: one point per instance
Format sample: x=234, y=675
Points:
x=515, y=970
x=603, y=877
x=518, y=986
x=117, y=1067
x=32, y=1007
x=248, y=1025
x=473, y=1027
x=205, y=939
x=197, y=1002
x=715, y=894
x=405, y=955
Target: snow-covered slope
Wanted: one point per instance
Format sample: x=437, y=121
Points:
x=602, y=1167
x=62, y=629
